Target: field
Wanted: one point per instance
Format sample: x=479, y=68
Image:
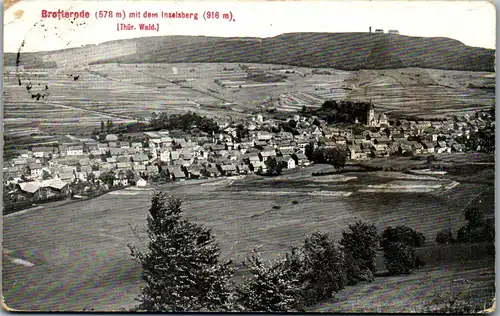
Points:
x=88, y=265
x=78, y=99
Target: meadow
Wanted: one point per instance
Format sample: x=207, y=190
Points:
x=88, y=265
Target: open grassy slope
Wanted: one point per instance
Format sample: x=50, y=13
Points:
x=87, y=264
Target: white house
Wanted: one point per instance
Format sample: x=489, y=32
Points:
x=141, y=183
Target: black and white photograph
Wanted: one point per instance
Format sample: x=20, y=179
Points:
x=249, y=156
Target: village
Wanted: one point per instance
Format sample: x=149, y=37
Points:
x=90, y=166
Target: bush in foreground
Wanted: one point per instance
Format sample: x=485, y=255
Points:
x=444, y=236
x=477, y=228
x=458, y=304
x=272, y=288
x=181, y=267
x=360, y=246
x=399, y=254
x=399, y=258
x=324, y=268
x=402, y=234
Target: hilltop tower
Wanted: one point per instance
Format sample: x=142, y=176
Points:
x=370, y=115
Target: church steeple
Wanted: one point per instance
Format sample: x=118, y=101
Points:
x=370, y=115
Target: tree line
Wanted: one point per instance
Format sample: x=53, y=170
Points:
x=182, y=269
x=188, y=122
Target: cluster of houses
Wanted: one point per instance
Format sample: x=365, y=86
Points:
x=178, y=155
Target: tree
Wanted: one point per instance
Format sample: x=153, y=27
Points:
x=399, y=258
x=45, y=175
x=273, y=167
x=360, y=246
x=107, y=177
x=90, y=177
x=403, y=234
x=444, y=236
x=398, y=244
x=130, y=177
x=181, y=266
x=474, y=216
x=309, y=150
x=477, y=228
x=109, y=125
x=272, y=288
x=324, y=273
x=336, y=156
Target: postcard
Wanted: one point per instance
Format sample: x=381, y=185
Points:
x=249, y=156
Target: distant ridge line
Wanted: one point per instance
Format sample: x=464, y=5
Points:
x=345, y=51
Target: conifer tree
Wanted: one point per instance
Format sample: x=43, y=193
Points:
x=181, y=265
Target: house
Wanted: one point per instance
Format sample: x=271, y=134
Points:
x=212, y=172
x=140, y=159
x=140, y=169
x=123, y=166
x=86, y=169
x=286, y=151
x=40, y=152
x=329, y=144
x=120, y=181
x=264, y=136
x=442, y=148
x=242, y=169
x=354, y=152
x=29, y=190
x=136, y=145
x=165, y=156
x=174, y=156
x=382, y=140
x=141, y=183
x=111, y=138
x=74, y=150
x=258, y=166
x=103, y=148
x=178, y=174
x=458, y=147
x=193, y=172
x=260, y=143
x=227, y=170
x=301, y=159
x=152, y=170
x=416, y=147
x=54, y=187
x=286, y=162
x=35, y=170
x=111, y=160
x=428, y=147
x=84, y=162
x=380, y=151
x=405, y=147
x=93, y=149
x=263, y=155
x=398, y=137
x=340, y=140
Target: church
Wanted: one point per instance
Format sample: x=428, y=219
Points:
x=375, y=120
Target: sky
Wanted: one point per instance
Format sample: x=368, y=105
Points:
x=471, y=22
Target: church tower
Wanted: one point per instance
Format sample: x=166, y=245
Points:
x=370, y=115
